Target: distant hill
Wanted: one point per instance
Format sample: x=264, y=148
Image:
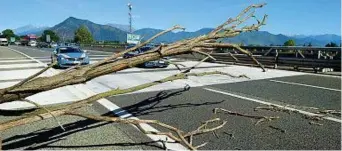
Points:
x=147, y=33
x=247, y=38
x=121, y=27
x=118, y=32
x=320, y=40
x=67, y=28
x=29, y=29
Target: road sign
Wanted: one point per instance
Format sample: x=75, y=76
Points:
x=12, y=39
x=133, y=39
x=48, y=39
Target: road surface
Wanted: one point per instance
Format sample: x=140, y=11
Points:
x=183, y=108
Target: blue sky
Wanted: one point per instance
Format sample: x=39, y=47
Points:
x=288, y=17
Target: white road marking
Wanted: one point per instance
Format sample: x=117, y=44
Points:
x=268, y=103
x=18, y=58
x=123, y=114
x=24, y=65
x=27, y=56
x=17, y=74
x=307, y=85
x=14, y=61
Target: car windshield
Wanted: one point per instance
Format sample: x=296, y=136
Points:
x=141, y=50
x=69, y=50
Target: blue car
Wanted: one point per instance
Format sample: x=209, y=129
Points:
x=67, y=56
x=148, y=64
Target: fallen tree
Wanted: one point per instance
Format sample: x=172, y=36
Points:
x=80, y=74
x=201, y=44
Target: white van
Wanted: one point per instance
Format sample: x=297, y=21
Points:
x=3, y=42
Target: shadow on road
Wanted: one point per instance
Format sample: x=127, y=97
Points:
x=44, y=138
x=152, y=105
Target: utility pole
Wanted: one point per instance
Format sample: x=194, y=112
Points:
x=130, y=16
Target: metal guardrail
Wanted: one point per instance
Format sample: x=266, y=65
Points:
x=275, y=61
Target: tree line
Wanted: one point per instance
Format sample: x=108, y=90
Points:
x=82, y=35
x=292, y=42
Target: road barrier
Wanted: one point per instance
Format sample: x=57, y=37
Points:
x=274, y=61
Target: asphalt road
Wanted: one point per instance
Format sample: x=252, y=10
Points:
x=186, y=109
x=81, y=134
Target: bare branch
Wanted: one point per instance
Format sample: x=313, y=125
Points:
x=31, y=77
x=42, y=107
x=60, y=110
x=202, y=145
x=205, y=54
x=193, y=67
x=238, y=48
x=110, y=65
x=260, y=118
x=137, y=46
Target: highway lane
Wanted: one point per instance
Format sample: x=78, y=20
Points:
x=80, y=134
x=186, y=109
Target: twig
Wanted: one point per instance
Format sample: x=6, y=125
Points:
x=40, y=106
x=203, y=128
x=137, y=46
x=236, y=59
x=315, y=123
x=215, y=134
x=193, y=67
x=229, y=134
x=205, y=54
x=274, y=109
x=334, y=112
x=276, y=128
x=175, y=64
x=313, y=117
x=202, y=145
x=248, y=53
x=260, y=118
x=31, y=77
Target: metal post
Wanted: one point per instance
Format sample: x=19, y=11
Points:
x=276, y=59
x=130, y=17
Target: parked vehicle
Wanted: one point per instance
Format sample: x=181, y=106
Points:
x=3, y=42
x=53, y=44
x=42, y=45
x=25, y=40
x=67, y=56
x=32, y=43
x=157, y=63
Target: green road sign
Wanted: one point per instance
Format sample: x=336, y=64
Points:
x=12, y=39
x=133, y=39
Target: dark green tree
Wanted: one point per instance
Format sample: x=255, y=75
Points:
x=53, y=36
x=82, y=35
x=309, y=45
x=331, y=44
x=8, y=33
x=290, y=42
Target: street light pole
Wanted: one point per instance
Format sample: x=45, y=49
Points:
x=130, y=17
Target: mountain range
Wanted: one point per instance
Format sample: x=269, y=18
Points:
x=29, y=29
x=118, y=32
